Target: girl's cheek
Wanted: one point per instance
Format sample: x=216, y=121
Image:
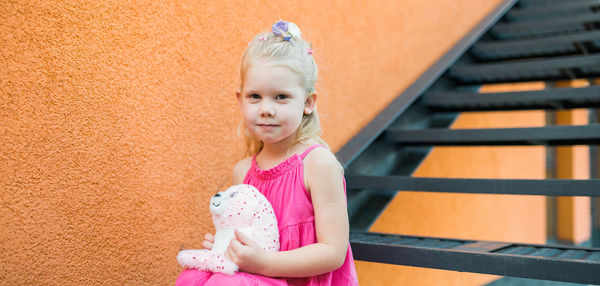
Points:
x=248, y=111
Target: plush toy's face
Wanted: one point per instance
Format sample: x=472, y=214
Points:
x=239, y=206
x=220, y=202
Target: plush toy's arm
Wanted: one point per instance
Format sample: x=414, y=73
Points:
x=193, y=258
x=222, y=239
x=206, y=260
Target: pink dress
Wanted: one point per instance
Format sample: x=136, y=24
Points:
x=284, y=187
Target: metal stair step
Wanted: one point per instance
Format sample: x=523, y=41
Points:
x=546, y=252
x=559, y=68
x=558, y=263
x=552, y=26
x=580, y=43
x=543, y=3
x=559, y=9
x=572, y=254
x=594, y=257
x=547, y=187
x=549, y=135
x=519, y=250
x=548, y=99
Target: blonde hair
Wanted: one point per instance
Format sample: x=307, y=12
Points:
x=293, y=52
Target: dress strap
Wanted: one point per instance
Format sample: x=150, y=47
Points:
x=305, y=153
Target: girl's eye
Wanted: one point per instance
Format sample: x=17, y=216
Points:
x=282, y=96
x=254, y=96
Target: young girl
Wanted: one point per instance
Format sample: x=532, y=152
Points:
x=291, y=165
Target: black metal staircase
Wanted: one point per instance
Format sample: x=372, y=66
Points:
x=541, y=40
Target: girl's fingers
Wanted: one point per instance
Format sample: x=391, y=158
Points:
x=242, y=238
x=230, y=254
x=234, y=250
x=209, y=241
x=234, y=245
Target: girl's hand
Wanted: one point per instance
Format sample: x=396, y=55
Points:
x=244, y=252
x=208, y=242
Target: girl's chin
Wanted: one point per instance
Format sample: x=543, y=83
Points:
x=272, y=140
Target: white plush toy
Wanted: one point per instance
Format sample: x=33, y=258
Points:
x=240, y=207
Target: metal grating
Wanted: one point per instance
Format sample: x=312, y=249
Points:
x=561, y=68
x=580, y=43
x=559, y=9
x=558, y=263
x=549, y=99
x=545, y=27
x=550, y=135
x=548, y=187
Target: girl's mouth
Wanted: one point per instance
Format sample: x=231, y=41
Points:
x=267, y=126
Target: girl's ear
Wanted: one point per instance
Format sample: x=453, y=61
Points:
x=238, y=95
x=311, y=103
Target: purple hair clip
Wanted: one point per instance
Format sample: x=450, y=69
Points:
x=280, y=28
x=286, y=30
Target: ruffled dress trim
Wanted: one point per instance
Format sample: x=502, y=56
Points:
x=276, y=171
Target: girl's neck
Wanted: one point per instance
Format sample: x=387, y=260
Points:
x=273, y=154
x=277, y=151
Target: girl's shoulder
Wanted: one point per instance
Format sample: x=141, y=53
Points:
x=320, y=159
x=323, y=174
x=240, y=169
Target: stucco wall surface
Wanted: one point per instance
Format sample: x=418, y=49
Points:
x=118, y=118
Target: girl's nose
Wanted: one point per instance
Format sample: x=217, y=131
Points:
x=267, y=110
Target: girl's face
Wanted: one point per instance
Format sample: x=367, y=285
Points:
x=273, y=102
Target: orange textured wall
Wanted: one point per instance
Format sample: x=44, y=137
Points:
x=119, y=119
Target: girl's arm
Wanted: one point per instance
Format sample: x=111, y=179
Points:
x=325, y=181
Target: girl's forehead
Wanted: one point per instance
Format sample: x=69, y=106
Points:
x=268, y=66
x=271, y=75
